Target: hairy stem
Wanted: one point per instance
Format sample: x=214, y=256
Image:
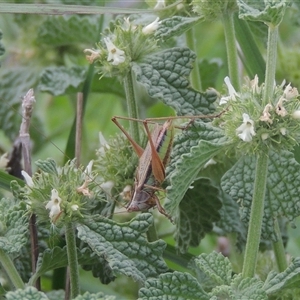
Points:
x=131, y=106
x=232, y=55
x=256, y=216
x=278, y=248
x=195, y=74
x=72, y=259
x=271, y=63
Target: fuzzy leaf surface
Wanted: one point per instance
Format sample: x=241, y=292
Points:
x=172, y=286
x=61, y=80
x=98, y=296
x=216, y=267
x=198, y=210
x=29, y=293
x=14, y=226
x=282, y=195
x=290, y=278
x=174, y=26
x=270, y=12
x=165, y=76
x=63, y=30
x=191, y=151
x=124, y=246
x=240, y=288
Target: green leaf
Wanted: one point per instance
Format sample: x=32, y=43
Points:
x=240, y=288
x=174, y=26
x=56, y=258
x=61, y=80
x=14, y=226
x=64, y=30
x=197, y=212
x=49, y=166
x=124, y=246
x=165, y=76
x=189, y=155
x=216, y=267
x=173, y=286
x=252, y=57
x=98, y=296
x=269, y=12
x=230, y=220
x=29, y=293
x=282, y=195
x=288, y=279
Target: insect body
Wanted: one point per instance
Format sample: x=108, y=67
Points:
x=150, y=172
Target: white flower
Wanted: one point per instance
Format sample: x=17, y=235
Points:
x=160, y=4
x=280, y=110
x=54, y=205
x=254, y=85
x=107, y=186
x=126, y=193
x=296, y=114
x=3, y=161
x=103, y=144
x=231, y=90
x=266, y=115
x=74, y=207
x=246, y=130
x=150, y=28
x=290, y=92
x=27, y=178
x=264, y=136
x=94, y=54
x=114, y=54
x=282, y=131
x=88, y=169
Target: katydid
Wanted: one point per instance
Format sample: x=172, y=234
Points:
x=150, y=172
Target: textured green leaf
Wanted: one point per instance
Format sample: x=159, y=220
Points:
x=198, y=210
x=165, y=76
x=230, y=220
x=98, y=296
x=240, y=289
x=290, y=278
x=187, y=168
x=29, y=293
x=124, y=246
x=174, y=26
x=282, y=194
x=172, y=286
x=13, y=226
x=61, y=80
x=216, y=267
x=65, y=30
x=14, y=84
x=270, y=12
x=48, y=166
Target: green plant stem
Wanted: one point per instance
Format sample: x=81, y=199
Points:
x=278, y=248
x=131, y=106
x=256, y=215
x=232, y=55
x=72, y=259
x=270, y=63
x=195, y=74
x=11, y=271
